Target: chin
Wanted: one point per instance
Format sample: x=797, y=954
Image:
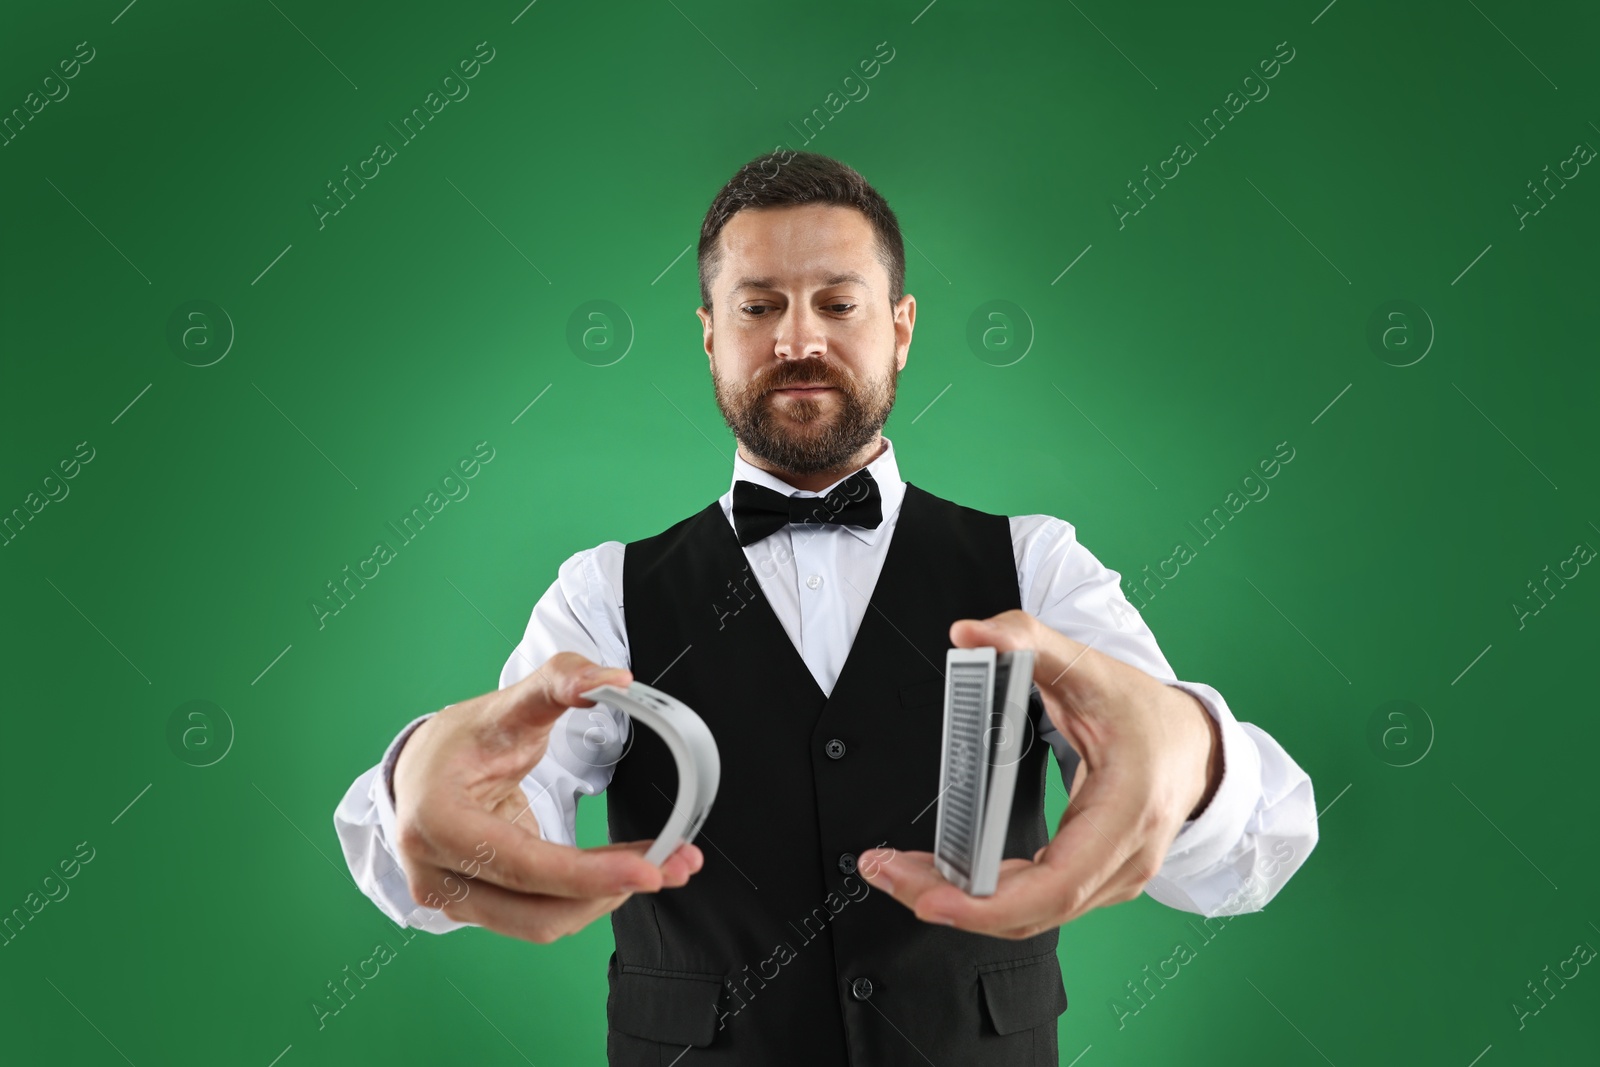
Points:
x=778, y=406
x=819, y=420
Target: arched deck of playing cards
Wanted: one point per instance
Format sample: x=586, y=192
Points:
x=693, y=748
x=985, y=728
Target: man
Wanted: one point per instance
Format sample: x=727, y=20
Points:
x=805, y=616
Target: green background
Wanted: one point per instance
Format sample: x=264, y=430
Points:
x=1227, y=316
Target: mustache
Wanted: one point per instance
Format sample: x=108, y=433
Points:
x=794, y=374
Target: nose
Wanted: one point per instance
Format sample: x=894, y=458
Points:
x=800, y=334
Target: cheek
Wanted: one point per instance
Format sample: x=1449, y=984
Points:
x=724, y=355
x=743, y=350
x=732, y=377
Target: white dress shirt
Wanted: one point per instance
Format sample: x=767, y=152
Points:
x=1257, y=830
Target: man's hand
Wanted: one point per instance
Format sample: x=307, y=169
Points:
x=457, y=785
x=1150, y=756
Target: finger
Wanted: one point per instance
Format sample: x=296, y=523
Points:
x=913, y=879
x=676, y=868
x=1089, y=848
x=449, y=887
x=503, y=734
x=1121, y=887
x=1100, y=848
x=558, y=684
x=993, y=918
x=540, y=917
x=683, y=862
x=1004, y=632
x=905, y=876
x=1126, y=885
x=531, y=917
x=524, y=863
x=1077, y=778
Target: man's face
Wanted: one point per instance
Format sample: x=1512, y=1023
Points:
x=806, y=349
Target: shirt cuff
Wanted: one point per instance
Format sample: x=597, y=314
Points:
x=1205, y=840
x=546, y=810
x=383, y=781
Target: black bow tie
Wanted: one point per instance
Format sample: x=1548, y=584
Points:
x=760, y=512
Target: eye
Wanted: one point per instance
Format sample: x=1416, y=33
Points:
x=753, y=310
x=840, y=308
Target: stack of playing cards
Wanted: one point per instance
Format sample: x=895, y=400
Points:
x=692, y=746
x=985, y=727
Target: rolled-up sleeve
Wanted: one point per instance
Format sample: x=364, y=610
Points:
x=1261, y=824
x=364, y=821
x=580, y=612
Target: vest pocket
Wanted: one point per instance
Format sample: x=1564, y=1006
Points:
x=676, y=1007
x=1021, y=994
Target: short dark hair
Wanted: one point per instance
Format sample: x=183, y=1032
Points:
x=789, y=177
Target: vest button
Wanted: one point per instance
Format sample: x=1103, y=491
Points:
x=834, y=749
x=861, y=988
x=847, y=863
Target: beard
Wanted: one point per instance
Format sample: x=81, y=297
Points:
x=807, y=436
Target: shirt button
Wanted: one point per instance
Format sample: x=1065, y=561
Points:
x=861, y=988
x=814, y=581
x=834, y=749
x=847, y=863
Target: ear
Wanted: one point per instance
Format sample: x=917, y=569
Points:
x=705, y=326
x=905, y=319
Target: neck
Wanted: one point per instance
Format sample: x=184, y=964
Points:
x=815, y=483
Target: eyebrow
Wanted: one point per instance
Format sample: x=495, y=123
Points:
x=771, y=283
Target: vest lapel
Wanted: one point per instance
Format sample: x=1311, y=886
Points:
x=753, y=601
x=746, y=603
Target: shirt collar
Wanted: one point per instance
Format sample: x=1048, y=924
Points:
x=885, y=471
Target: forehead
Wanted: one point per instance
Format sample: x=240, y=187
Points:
x=798, y=244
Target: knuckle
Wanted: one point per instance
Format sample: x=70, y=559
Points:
x=1153, y=868
x=544, y=935
x=410, y=840
x=1146, y=863
x=567, y=660
x=1076, y=900
x=415, y=881
x=1150, y=824
x=563, y=666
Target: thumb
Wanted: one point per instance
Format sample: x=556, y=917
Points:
x=1006, y=632
x=1059, y=664
x=556, y=685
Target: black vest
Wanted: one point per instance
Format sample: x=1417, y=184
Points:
x=778, y=951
